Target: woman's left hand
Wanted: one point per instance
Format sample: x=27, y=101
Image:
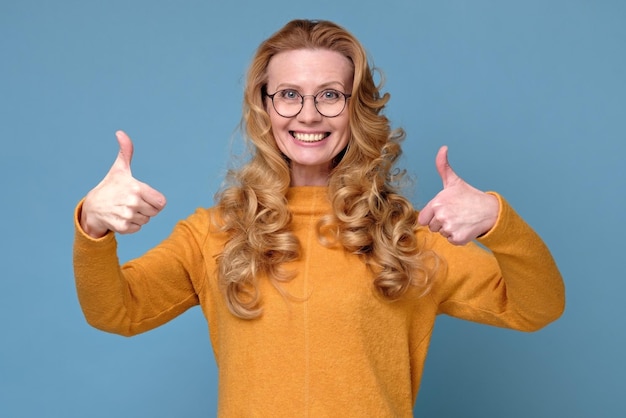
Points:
x=459, y=212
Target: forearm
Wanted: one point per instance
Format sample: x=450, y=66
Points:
x=133, y=298
x=99, y=282
x=516, y=285
x=534, y=286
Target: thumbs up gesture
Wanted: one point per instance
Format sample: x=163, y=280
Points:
x=459, y=212
x=120, y=203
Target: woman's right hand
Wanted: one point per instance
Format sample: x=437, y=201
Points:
x=120, y=203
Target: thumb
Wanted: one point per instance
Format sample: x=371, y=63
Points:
x=447, y=174
x=125, y=155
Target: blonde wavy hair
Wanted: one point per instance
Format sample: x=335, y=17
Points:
x=369, y=217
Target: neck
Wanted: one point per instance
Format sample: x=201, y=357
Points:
x=309, y=176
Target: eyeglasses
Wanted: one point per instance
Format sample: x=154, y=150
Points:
x=289, y=103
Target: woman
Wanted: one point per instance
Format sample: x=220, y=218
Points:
x=319, y=285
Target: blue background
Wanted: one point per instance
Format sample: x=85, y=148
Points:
x=530, y=97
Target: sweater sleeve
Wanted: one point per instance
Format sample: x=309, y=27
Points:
x=141, y=294
x=515, y=285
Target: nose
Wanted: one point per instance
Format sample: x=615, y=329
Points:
x=309, y=112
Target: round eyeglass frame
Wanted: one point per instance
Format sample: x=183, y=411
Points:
x=346, y=96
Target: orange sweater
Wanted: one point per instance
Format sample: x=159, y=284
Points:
x=337, y=350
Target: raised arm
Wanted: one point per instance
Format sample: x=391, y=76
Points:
x=141, y=294
x=516, y=284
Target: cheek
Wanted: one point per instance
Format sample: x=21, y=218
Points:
x=278, y=126
x=278, y=132
x=275, y=120
x=346, y=136
x=346, y=132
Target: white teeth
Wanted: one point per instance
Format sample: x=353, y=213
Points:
x=308, y=137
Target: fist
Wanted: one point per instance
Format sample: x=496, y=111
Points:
x=460, y=212
x=120, y=203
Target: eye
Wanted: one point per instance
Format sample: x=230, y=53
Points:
x=289, y=94
x=329, y=95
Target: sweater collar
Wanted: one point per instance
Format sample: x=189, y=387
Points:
x=310, y=200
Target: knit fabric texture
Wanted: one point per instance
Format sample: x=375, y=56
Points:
x=332, y=346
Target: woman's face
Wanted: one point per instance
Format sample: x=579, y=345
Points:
x=309, y=139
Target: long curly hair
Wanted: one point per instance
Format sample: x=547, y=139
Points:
x=369, y=217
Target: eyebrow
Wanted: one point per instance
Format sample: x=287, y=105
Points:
x=330, y=84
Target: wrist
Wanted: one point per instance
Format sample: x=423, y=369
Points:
x=89, y=229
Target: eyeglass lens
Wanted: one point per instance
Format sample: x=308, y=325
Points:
x=289, y=103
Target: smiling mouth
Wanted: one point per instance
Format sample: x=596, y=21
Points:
x=304, y=137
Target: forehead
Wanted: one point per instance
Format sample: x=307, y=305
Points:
x=309, y=68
